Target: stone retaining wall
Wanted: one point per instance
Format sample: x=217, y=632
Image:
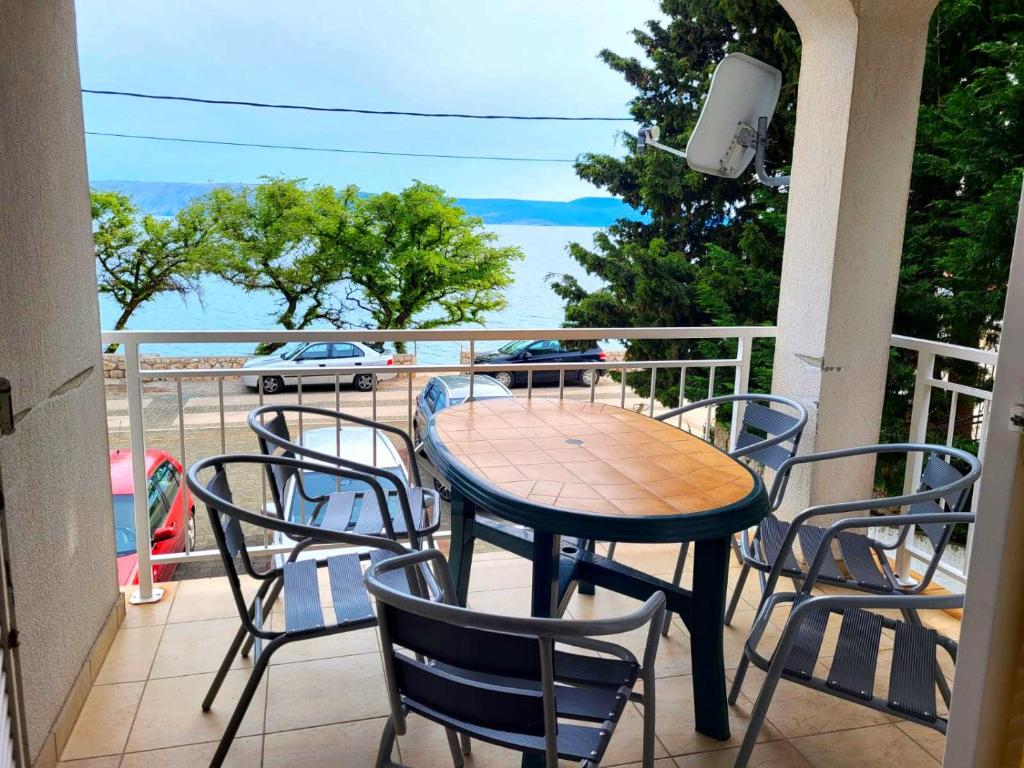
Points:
x=114, y=368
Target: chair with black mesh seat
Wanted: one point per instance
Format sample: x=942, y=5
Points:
x=412, y=512
x=294, y=577
x=507, y=680
x=862, y=562
x=914, y=673
x=767, y=437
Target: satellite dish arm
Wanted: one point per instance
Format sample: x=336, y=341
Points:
x=762, y=175
x=666, y=148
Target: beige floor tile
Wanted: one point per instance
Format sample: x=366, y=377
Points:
x=882, y=745
x=93, y=762
x=344, y=644
x=245, y=753
x=131, y=655
x=665, y=762
x=105, y=721
x=201, y=599
x=344, y=744
x=500, y=574
x=800, y=711
x=170, y=714
x=626, y=745
x=933, y=742
x=424, y=745
x=151, y=613
x=772, y=754
x=675, y=726
x=505, y=602
x=652, y=558
x=194, y=647
x=325, y=691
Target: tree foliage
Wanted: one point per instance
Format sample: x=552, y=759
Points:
x=711, y=252
x=139, y=257
x=416, y=260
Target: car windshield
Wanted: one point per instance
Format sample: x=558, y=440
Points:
x=515, y=346
x=317, y=484
x=124, y=523
x=291, y=350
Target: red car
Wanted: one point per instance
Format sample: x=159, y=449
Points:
x=169, y=502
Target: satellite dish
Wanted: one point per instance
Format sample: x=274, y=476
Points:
x=733, y=124
x=743, y=91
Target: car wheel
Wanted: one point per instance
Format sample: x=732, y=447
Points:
x=192, y=531
x=363, y=382
x=442, y=490
x=504, y=378
x=272, y=385
x=589, y=376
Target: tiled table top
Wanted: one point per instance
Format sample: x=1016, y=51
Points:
x=590, y=457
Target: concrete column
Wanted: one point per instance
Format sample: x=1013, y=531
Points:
x=986, y=726
x=56, y=484
x=860, y=84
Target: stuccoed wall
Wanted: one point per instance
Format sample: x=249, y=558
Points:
x=55, y=473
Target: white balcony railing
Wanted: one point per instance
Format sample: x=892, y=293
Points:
x=745, y=337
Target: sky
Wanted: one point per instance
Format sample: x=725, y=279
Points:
x=477, y=56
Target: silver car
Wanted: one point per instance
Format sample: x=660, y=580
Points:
x=307, y=357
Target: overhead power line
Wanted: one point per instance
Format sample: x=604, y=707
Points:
x=299, y=148
x=353, y=110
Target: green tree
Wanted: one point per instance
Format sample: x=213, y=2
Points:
x=139, y=257
x=278, y=237
x=710, y=251
x=416, y=260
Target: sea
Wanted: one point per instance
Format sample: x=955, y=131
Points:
x=220, y=306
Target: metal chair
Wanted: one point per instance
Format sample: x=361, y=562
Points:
x=768, y=436
x=500, y=679
x=914, y=672
x=297, y=579
x=418, y=513
x=943, y=490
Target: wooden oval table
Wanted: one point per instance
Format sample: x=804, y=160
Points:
x=588, y=471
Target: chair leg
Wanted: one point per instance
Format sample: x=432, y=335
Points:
x=240, y=636
x=736, y=593
x=649, y=723
x=467, y=744
x=737, y=681
x=677, y=579
x=268, y=605
x=611, y=550
x=387, y=747
x=757, y=714
x=243, y=704
x=454, y=748
x=736, y=550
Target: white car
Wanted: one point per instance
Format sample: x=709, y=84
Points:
x=309, y=356
x=353, y=443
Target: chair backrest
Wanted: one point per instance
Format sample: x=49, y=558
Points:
x=278, y=475
x=226, y=518
x=769, y=435
x=937, y=476
x=468, y=653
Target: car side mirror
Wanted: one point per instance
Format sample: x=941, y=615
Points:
x=164, y=533
x=526, y=354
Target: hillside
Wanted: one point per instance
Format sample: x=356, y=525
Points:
x=164, y=198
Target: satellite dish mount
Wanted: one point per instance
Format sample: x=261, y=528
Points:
x=732, y=128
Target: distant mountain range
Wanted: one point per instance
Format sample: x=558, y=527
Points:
x=165, y=198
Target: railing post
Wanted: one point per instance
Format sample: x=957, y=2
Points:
x=146, y=592
x=472, y=362
x=741, y=387
x=915, y=461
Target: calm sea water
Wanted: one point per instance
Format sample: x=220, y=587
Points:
x=224, y=307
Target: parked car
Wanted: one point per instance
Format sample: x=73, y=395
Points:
x=171, y=512
x=320, y=354
x=545, y=351
x=444, y=391
x=350, y=442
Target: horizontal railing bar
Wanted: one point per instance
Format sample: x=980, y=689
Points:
x=440, y=334
x=963, y=389
x=200, y=373
x=941, y=348
x=261, y=550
